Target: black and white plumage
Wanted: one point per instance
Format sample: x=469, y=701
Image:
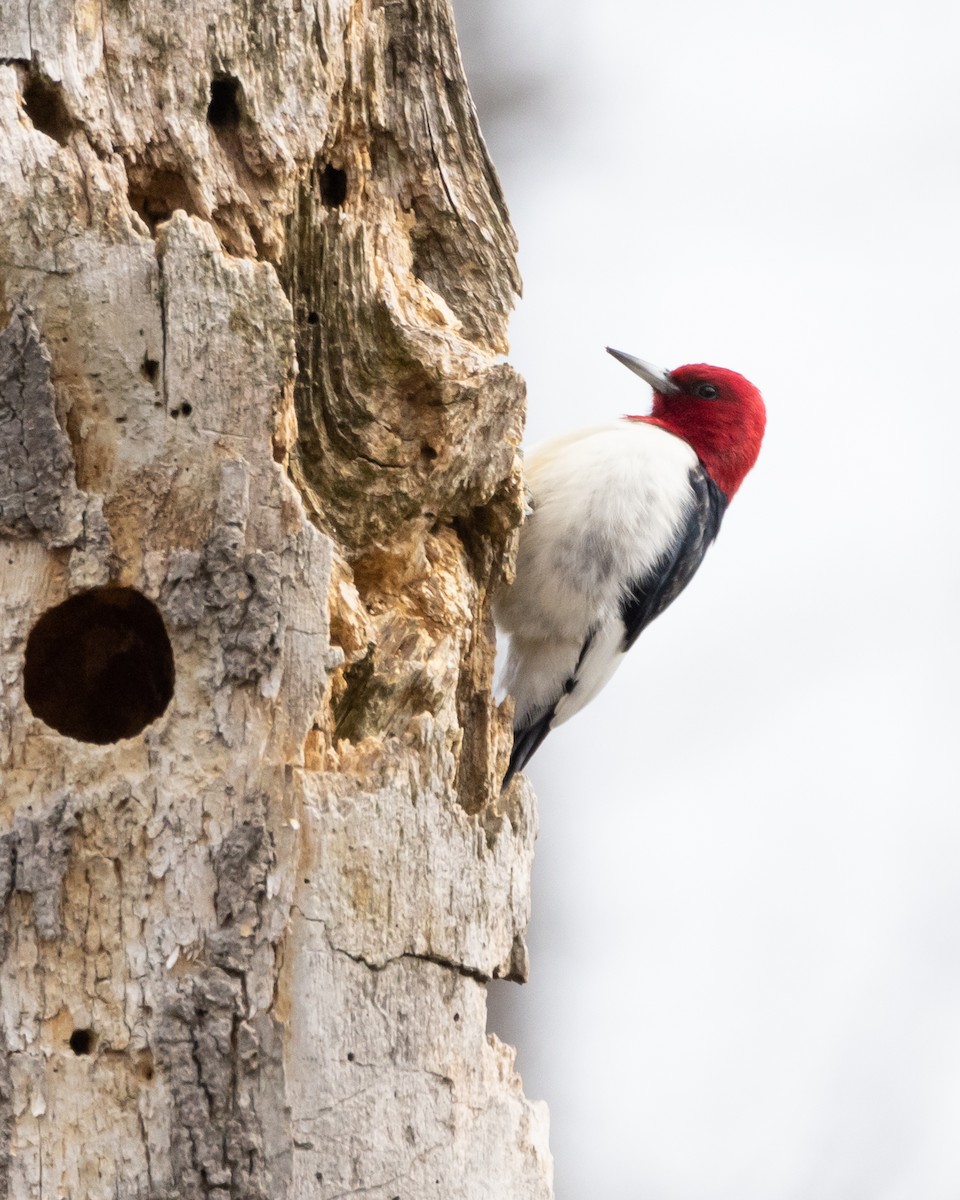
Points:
x=622, y=516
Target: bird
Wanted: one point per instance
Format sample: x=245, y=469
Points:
x=619, y=518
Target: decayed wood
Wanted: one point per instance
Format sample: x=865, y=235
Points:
x=255, y=271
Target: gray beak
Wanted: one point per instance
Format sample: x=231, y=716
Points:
x=658, y=379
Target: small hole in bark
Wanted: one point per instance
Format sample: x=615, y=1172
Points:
x=155, y=195
x=99, y=666
x=223, y=111
x=150, y=367
x=81, y=1041
x=313, y=318
x=351, y=1056
x=319, y=1177
x=44, y=104
x=456, y=1016
x=333, y=186
x=182, y=410
x=427, y=452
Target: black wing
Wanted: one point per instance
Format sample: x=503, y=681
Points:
x=526, y=742
x=648, y=598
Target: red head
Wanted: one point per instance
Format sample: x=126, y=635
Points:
x=718, y=412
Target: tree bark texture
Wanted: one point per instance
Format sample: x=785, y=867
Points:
x=258, y=479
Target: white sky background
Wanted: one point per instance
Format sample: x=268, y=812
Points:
x=746, y=935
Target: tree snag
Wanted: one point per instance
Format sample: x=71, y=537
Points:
x=258, y=478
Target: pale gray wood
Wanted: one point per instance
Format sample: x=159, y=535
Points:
x=251, y=366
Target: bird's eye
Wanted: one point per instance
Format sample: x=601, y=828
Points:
x=706, y=391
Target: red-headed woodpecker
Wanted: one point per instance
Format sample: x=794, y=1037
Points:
x=622, y=515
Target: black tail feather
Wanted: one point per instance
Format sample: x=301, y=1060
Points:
x=526, y=742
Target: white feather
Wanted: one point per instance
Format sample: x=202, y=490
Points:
x=607, y=504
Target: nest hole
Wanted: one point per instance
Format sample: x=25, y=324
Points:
x=99, y=666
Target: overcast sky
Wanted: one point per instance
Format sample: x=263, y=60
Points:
x=746, y=935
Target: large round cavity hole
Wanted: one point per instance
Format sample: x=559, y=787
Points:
x=99, y=666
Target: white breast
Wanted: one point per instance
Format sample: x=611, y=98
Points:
x=607, y=503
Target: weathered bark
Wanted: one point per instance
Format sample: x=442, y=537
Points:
x=255, y=272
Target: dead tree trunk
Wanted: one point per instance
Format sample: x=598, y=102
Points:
x=257, y=480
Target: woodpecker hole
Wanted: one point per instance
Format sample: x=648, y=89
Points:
x=155, y=195
x=223, y=111
x=99, y=666
x=313, y=318
x=150, y=368
x=333, y=186
x=182, y=410
x=351, y=1056
x=44, y=104
x=82, y=1041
